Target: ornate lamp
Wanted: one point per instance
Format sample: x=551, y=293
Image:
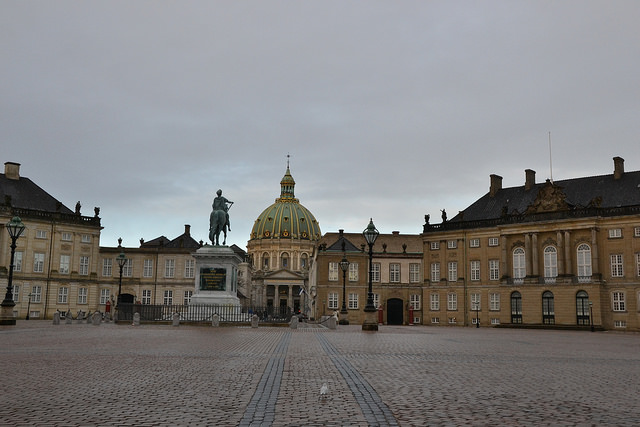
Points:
x=15, y=227
x=122, y=260
x=344, y=265
x=370, y=235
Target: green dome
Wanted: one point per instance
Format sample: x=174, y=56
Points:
x=286, y=218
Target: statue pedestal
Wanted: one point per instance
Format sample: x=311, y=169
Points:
x=216, y=276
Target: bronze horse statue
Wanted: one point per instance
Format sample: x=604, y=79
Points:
x=217, y=223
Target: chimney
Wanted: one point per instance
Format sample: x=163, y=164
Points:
x=12, y=170
x=395, y=233
x=618, y=167
x=530, y=179
x=496, y=184
x=187, y=229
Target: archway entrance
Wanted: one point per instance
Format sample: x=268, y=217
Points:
x=395, y=311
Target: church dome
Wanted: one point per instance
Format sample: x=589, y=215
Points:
x=286, y=218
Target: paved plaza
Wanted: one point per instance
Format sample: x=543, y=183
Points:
x=160, y=375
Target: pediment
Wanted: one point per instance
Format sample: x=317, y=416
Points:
x=283, y=274
x=550, y=198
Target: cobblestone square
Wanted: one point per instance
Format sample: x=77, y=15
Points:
x=159, y=375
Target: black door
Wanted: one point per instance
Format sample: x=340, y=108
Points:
x=395, y=311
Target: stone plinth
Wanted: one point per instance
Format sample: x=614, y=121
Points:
x=216, y=276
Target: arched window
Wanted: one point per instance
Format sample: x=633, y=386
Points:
x=284, y=260
x=582, y=308
x=519, y=266
x=516, y=307
x=548, y=312
x=304, y=261
x=584, y=263
x=550, y=264
x=265, y=261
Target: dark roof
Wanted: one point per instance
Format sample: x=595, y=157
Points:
x=183, y=241
x=158, y=241
x=25, y=194
x=601, y=192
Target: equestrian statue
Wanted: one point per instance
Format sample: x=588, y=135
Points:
x=219, y=219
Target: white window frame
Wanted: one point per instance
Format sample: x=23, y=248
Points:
x=17, y=261
x=38, y=262
x=147, y=268
x=476, y=299
x=414, y=272
x=519, y=263
x=615, y=233
x=186, y=300
x=63, y=295
x=107, y=267
x=475, y=270
x=332, y=301
x=127, y=269
x=638, y=265
x=146, y=296
x=376, y=300
x=170, y=268
x=83, y=295
x=434, y=302
x=452, y=271
x=434, y=246
x=583, y=256
x=494, y=241
x=414, y=301
x=41, y=234
x=190, y=268
x=494, y=269
x=474, y=243
x=84, y=266
x=36, y=294
x=65, y=263
x=353, y=272
x=105, y=294
x=333, y=271
x=65, y=236
x=550, y=262
x=617, y=265
x=618, y=301
x=636, y=231
x=16, y=293
x=452, y=244
x=494, y=302
x=352, y=301
x=375, y=272
x=394, y=272
x=435, y=272
x=85, y=238
x=452, y=301
x=167, y=297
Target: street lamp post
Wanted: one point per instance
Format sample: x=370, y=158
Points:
x=591, y=315
x=477, y=307
x=15, y=227
x=370, y=322
x=122, y=260
x=344, y=265
x=28, y=307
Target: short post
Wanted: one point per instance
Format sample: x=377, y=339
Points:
x=136, y=319
x=254, y=321
x=294, y=322
x=68, y=318
x=215, y=320
x=96, y=318
x=176, y=319
x=56, y=318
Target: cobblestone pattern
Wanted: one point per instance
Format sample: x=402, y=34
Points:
x=152, y=375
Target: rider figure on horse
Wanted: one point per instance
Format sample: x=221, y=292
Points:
x=220, y=203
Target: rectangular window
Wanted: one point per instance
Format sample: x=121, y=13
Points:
x=84, y=266
x=333, y=301
x=190, y=268
x=64, y=264
x=333, y=271
x=453, y=271
x=435, y=246
x=66, y=236
x=17, y=261
x=435, y=272
x=394, y=273
x=86, y=238
x=452, y=244
x=452, y=320
x=16, y=293
x=376, y=300
x=36, y=294
x=127, y=269
x=104, y=296
x=618, y=301
x=474, y=243
x=494, y=302
x=475, y=302
x=495, y=321
x=636, y=231
x=452, y=302
x=619, y=323
x=435, y=320
x=168, y=297
x=434, y=302
x=414, y=273
x=615, y=233
x=38, y=262
x=41, y=234
x=617, y=269
x=169, y=268
x=414, y=301
x=146, y=296
x=493, y=241
x=83, y=293
x=375, y=272
x=107, y=267
x=353, y=272
x=187, y=297
x=353, y=301
x=638, y=264
x=494, y=269
x=147, y=268
x=475, y=270
x=63, y=294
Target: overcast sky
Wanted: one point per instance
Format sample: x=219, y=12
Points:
x=389, y=109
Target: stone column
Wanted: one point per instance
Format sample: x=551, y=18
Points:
x=561, y=253
x=595, y=257
x=528, y=254
x=568, y=265
x=504, y=266
x=264, y=295
x=534, y=254
x=290, y=299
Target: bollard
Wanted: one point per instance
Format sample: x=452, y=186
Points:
x=68, y=318
x=294, y=322
x=254, y=321
x=215, y=320
x=136, y=319
x=331, y=322
x=176, y=319
x=96, y=318
x=56, y=318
